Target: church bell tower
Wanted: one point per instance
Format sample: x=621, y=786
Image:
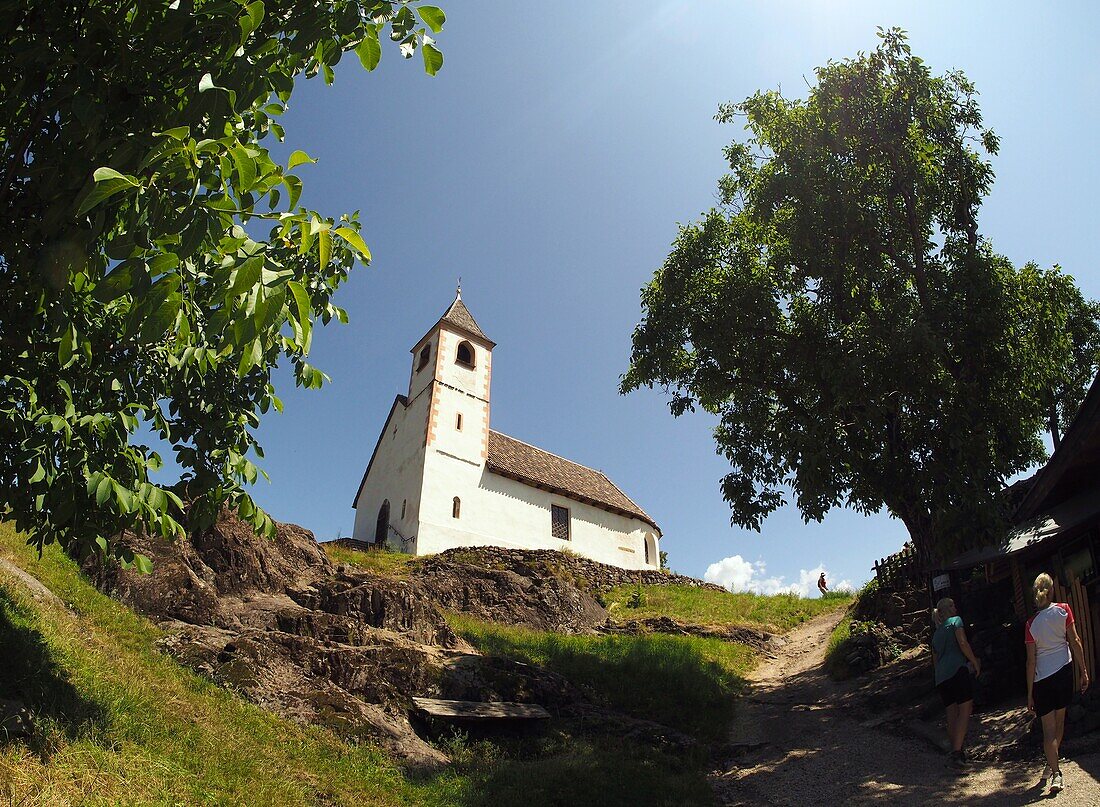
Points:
x=452, y=364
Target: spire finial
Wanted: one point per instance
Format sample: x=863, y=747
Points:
x=458, y=289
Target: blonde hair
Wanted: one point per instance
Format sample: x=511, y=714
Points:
x=944, y=610
x=1043, y=590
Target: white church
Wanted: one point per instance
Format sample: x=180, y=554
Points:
x=440, y=478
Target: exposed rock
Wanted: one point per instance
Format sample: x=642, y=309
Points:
x=277, y=622
x=541, y=588
x=541, y=601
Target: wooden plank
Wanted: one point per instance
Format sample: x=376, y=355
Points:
x=480, y=710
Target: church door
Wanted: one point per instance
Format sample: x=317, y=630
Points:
x=383, y=525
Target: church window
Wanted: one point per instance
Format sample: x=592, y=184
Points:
x=403, y=503
x=458, y=421
x=425, y=357
x=465, y=355
x=456, y=507
x=559, y=522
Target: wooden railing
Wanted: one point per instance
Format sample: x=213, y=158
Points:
x=898, y=568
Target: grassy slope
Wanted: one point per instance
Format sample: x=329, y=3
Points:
x=390, y=564
x=120, y=723
x=684, y=682
x=778, y=613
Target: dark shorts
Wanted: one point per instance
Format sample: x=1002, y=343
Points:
x=959, y=688
x=1054, y=691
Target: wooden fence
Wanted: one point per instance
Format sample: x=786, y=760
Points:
x=1078, y=599
x=901, y=567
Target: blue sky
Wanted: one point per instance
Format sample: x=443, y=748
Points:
x=548, y=164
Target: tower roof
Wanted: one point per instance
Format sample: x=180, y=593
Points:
x=459, y=318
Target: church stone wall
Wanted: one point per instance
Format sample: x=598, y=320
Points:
x=497, y=511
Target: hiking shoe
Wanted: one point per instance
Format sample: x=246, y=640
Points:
x=1056, y=782
x=956, y=760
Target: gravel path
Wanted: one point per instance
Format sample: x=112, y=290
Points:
x=795, y=742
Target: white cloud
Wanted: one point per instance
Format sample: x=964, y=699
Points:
x=737, y=574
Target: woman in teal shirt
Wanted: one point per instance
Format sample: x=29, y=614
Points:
x=951, y=652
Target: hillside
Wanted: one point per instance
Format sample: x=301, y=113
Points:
x=119, y=720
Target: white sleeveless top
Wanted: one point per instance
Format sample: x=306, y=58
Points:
x=1047, y=631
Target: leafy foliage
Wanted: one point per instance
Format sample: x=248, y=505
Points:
x=155, y=262
x=862, y=344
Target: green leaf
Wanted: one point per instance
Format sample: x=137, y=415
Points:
x=108, y=182
x=246, y=167
x=251, y=18
x=299, y=157
x=117, y=283
x=65, y=352
x=294, y=190
x=154, y=326
x=178, y=133
x=142, y=564
x=160, y=264
x=356, y=241
x=433, y=17
x=433, y=59
x=369, y=50
x=246, y=276
x=206, y=83
x=103, y=491
x=324, y=248
x=38, y=475
x=305, y=312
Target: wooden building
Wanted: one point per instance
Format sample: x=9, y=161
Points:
x=1056, y=530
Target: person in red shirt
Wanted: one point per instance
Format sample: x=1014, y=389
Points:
x=1051, y=636
x=821, y=586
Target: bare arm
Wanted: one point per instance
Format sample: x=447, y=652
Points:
x=1030, y=674
x=964, y=646
x=1078, y=655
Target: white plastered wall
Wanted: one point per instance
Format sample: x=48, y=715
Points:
x=497, y=511
x=396, y=475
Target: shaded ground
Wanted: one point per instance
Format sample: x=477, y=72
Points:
x=800, y=738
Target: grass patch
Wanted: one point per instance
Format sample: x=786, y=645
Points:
x=835, y=661
x=684, y=682
x=777, y=613
x=119, y=723
x=379, y=561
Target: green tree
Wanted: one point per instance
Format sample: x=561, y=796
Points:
x=155, y=264
x=861, y=343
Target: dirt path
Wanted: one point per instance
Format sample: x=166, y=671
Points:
x=796, y=741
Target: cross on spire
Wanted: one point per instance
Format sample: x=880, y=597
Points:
x=458, y=290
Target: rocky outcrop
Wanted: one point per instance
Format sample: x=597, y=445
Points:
x=585, y=573
x=541, y=589
x=277, y=622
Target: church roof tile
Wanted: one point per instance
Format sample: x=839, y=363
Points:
x=515, y=459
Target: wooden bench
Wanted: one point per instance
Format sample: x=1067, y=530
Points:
x=479, y=710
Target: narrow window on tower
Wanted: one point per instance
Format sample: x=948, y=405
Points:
x=559, y=522
x=425, y=357
x=456, y=507
x=403, y=503
x=458, y=421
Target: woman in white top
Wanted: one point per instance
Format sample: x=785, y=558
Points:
x=1050, y=636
